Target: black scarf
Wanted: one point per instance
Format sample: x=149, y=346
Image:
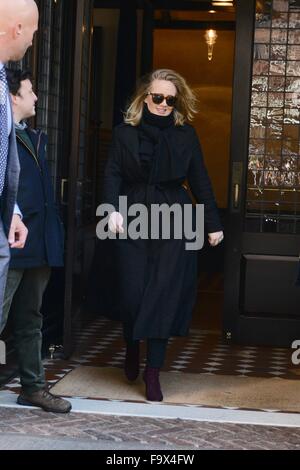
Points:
x=158, y=150
x=155, y=121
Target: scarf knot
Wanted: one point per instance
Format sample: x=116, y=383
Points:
x=158, y=151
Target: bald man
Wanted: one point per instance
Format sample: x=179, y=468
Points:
x=18, y=23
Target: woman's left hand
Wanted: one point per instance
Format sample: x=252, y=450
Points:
x=215, y=238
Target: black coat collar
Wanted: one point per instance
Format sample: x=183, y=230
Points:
x=176, y=167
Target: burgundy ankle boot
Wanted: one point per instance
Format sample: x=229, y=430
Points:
x=151, y=379
x=132, y=361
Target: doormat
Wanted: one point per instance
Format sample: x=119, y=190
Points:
x=257, y=393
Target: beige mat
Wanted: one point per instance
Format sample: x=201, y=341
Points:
x=184, y=388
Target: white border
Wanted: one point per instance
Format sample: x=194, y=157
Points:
x=163, y=411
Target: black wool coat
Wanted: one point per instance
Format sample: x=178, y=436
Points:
x=152, y=284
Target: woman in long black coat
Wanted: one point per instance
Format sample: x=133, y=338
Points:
x=153, y=153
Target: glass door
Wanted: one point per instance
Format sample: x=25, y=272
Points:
x=263, y=238
x=76, y=189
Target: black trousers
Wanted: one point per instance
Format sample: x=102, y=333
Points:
x=23, y=299
x=156, y=348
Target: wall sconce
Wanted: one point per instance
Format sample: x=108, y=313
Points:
x=210, y=38
x=222, y=3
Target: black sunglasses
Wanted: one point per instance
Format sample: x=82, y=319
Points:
x=158, y=98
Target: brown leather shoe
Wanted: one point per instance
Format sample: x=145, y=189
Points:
x=45, y=400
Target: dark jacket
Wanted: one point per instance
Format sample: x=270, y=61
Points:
x=152, y=284
x=8, y=197
x=45, y=241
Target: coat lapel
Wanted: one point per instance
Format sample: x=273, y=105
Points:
x=34, y=137
x=132, y=142
x=12, y=177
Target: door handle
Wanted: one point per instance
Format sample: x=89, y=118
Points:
x=63, y=184
x=236, y=185
x=236, y=198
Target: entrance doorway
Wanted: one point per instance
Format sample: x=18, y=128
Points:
x=260, y=243
x=181, y=42
x=169, y=35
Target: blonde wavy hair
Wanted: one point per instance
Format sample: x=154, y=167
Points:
x=186, y=104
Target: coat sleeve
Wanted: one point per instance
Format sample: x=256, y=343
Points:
x=201, y=188
x=112, y=174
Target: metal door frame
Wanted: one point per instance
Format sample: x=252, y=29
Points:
x=240, y=124
x=72, y=180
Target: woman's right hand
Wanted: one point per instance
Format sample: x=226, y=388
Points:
x=115, y=222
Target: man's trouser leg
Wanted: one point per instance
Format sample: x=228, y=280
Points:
x=4, y=263
x=14, y=278
x=27, y=325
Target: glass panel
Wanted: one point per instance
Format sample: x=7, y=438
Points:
x=84, y=175
x=273, y=182
x=48, y=84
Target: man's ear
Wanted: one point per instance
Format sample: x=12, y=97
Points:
x=14, y=99
x=17, y=30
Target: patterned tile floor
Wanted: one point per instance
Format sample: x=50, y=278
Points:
x=100, y=343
